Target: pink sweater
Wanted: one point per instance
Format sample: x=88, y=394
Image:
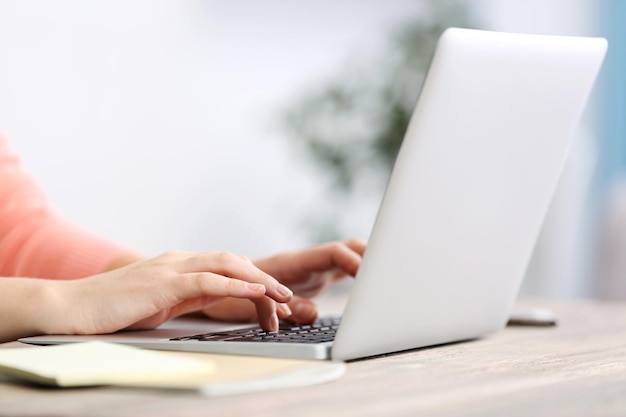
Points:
x=34, y=241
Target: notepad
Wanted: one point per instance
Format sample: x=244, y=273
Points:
x=103, y=363
x=241, y=374
x=98, y=363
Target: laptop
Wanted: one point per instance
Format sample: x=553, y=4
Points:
x=462, y=210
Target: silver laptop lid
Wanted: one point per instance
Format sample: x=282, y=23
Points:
x=469, y=190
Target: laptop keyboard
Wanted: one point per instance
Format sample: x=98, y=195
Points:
x=321, y=331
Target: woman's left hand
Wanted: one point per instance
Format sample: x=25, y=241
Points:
x=307, y=272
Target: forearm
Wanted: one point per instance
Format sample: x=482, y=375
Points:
x=33, y=306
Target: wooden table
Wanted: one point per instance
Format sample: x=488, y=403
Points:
x=577, y=368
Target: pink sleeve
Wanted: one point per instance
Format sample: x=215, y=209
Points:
x=37, y=243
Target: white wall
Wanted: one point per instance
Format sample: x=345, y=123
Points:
x=157, y=122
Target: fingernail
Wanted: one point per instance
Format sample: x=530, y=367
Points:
x=284, y=291
x=274, y=322
x=285, y=311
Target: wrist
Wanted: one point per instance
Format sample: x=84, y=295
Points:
x=54, y=307
x=30, y=306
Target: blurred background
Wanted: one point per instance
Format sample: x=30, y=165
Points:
x=256, y=127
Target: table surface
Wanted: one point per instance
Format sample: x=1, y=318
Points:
x=577, y=368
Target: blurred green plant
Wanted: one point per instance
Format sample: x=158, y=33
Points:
x=352, y=128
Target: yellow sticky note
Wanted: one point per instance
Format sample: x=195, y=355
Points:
x=98, y=363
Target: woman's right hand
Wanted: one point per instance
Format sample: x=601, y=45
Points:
x=145, y=294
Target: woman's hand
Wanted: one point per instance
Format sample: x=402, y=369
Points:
x=307, y=272
x=144, y=294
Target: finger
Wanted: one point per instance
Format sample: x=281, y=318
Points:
x=231, y=309
x=203, y=284
x=269, y=312
x=208, y=284
x=348, y=257
x=266, y=312
x=283, y=310
x=357, y=245
x=197, y=304
x=303, y=310
x=334, y=256
x=235, y=266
